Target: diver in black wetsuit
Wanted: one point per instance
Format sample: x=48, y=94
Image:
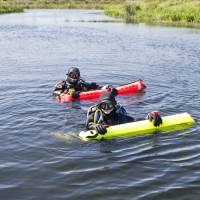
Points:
x=74, y=84
x=108, y=113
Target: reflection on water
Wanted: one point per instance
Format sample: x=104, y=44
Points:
x=41, y=157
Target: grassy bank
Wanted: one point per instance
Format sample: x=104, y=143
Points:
x=6, y=7
x=59, y=4
x=63, y=4
x=182, y=12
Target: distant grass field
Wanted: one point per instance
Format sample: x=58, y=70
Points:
x=183, y=12
x=73, y=4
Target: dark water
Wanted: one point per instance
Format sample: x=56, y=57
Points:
x=38, y=162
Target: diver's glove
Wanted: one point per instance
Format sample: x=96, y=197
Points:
x=93, y=86
x=110, y=88
x=114, y=91
x=155, y=117
x=99, y=128
x=75, y=95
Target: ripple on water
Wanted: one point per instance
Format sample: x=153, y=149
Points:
x=41, y=155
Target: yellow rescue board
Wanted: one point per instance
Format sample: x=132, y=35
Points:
x=170, y=123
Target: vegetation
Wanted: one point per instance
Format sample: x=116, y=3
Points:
x=132, y=11
x=158, y=11
x=74, y=4
x=6, y=7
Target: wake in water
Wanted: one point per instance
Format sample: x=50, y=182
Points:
x=68, y=137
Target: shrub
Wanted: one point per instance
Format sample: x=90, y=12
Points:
x=130, y=12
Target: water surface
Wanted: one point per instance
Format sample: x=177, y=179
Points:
x=38, y=162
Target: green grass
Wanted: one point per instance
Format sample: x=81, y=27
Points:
x=73, y=4
x=5, y=7
x=181, y=12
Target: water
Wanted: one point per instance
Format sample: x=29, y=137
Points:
x=40, y=155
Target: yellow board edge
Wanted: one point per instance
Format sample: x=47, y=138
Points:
x=170, y=123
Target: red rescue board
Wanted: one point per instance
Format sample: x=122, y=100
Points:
x=133, y=87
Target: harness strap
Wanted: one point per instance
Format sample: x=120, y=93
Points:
x=98, y=116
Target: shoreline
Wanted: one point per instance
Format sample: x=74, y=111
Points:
x=151, y=12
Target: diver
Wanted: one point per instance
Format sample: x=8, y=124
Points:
x=108, y=113
x=74, y=84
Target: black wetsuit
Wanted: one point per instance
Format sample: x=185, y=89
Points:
x=117, y=116
x=80, y=86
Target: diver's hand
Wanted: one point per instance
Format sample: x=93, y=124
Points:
x=100, y=128
x=114, y=91
x=155, y=117
x=75, y=95
x=93, y=86
x=106, y=87
x=110, y=88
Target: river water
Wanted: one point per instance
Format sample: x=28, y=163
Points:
x=40, y=155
